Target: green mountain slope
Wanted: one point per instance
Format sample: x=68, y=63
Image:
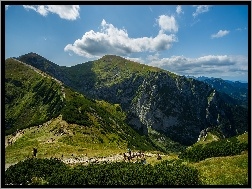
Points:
x=41, y=112
x=178, y=107
x=31, y=97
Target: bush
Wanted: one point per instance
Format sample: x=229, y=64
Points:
x=32, y=170
x=124, y=173
x=225, y=147
x=54, y=172
x=76, y=110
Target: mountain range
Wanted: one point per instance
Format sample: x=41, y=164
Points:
x=149, y=104
x=235, y=89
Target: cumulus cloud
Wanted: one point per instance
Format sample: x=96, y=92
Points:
x=139, y=60
x=179, y=10
x=111, y=40
x=220, y=33
x=201, y=9
x=210, y=65
x=68, y=12
x=167, y=23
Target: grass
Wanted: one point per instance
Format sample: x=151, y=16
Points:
x=153, y=160
x=243, y=137
x=209, y=138
x=111, y=69
x=28, y=93
x=92, y=142
x=164, y=142
x=231, y=170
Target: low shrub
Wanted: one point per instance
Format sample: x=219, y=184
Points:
x=225, y=147
x=26, y=172
x=54, y=172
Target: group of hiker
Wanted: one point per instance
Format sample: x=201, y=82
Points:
x=129, y=156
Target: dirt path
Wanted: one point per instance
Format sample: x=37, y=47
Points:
x=10, y=139
x=109, y=159
x=7, y=165
x=88, y=160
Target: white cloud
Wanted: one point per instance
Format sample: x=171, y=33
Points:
x=211, y=65
x=220, y=33
x=201, y=9
x=68, y=12
x=167, y=23
x=6, y=7
x=111, y=40
x=139, y=60
x=179, y=9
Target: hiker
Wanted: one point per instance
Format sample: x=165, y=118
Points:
x=142, y=154
x=129, y=158
x=124, y=156
x=159, y=157
x=129, y=152
x=35, y=150
x=137, y=154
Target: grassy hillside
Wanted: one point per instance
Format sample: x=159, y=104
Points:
x=58, y=137
x=107, y=118
x=75, y=124
x=30, y=97
x=231, y=170
x=225, y=170
x=225, y=147
x=84, y=142
x=111, y=70
x=217, y=171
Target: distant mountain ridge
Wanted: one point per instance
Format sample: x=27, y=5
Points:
x=235, y=89
x=154, y=99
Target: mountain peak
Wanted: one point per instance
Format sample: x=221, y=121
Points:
x=31, y=54
x=36, y=59
x=110, y=58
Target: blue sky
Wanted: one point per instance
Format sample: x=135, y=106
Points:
x=200, y=40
